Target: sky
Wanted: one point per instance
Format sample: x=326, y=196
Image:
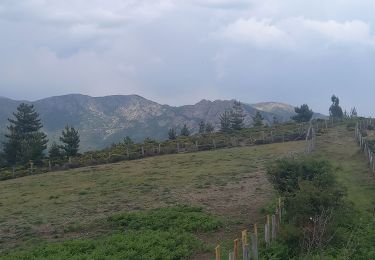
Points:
x=178, y=52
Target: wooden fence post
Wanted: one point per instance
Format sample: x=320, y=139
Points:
x=159, y=148
x=273, y=235
x=235, y=250
x=254, y=243
x=31, y=167
x=245, y=255
x=244, y=245
x=143, y=151
x=267, y=230
x=178, y=147
x=217, y=253
x=196, y=145
x=214, y=143
x=14, y=171
x=49, y=165
x=127, y=152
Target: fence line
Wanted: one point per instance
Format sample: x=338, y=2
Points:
x=278, y=134
x=360, y=129
x=251, y=251
x=272, y=223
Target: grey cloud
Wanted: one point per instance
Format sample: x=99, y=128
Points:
x=180, y=51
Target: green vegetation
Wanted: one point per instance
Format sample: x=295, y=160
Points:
x=185, y=131
x=329, y=202
x=164, y=233
x=70, y=139
x=303, y=114
x=25, y=141
x=314, y=205
x=57, y=206
x=258, y=120
x=335, y=111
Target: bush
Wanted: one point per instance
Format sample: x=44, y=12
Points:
x=314, y=204
x=185, y=218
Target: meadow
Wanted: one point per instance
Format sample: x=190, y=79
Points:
x=229, y=184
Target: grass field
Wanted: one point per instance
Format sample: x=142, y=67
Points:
x=228, y=183
x=352, y=167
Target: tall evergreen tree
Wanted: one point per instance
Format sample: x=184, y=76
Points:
x=128, y=141
x=172, y=134
x=202, y=127
x=54, y=151
x=70, y=139
x=353, y=112
x=24, y=141
x=237, y=116
x=258, y=119
x=185, y=131
x=225, y=124
x=335, y=110
x=303, y=114
x=209, y=128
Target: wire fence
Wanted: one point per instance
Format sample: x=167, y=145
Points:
x=366, y=142
x=264, y=234
x=199, y=142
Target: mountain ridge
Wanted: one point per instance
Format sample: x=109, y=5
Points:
x=107, y=119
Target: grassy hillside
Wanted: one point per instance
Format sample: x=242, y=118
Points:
x=229, y=183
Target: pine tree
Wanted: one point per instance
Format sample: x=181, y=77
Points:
x=209, y=128
x=172, y=134
x=202, y=127
x=335, y=110
x=225, y=124
x=353, y=112
x=185, y=131
x=237, y=116
x=303, y=114
x=24, y=141
x=54, y=151
x=128, y=141
x=70, y=139
x=258, y=119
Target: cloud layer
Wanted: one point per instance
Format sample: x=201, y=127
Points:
x=178, y=52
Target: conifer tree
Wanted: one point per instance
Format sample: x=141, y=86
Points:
x=70, y=139
x=172, y=134
x=202, y=127
x=185, y=131
x=24, y=141
x=225, y=124
x=54, y=151
x=335, y=110
x=237, y=116
x=209, y=128
x=303, y=114
x=353, y=112
x=258, y=119
x=128, y=141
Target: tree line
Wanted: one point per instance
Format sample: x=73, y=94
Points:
x=25, y=141
x=233, y=119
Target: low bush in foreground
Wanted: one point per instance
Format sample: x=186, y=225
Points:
x=164, y=233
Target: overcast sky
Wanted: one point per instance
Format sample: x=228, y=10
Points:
x=178, y=52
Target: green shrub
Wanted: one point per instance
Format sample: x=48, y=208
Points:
x=190, y=219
